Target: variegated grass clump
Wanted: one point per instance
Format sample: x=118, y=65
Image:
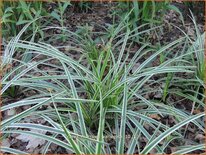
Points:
x=78, y=98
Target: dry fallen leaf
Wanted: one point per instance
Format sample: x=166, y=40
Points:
x=200, y=137
x=155, y=116
x=5, y=143
x=173, y=149
x=33, y=141
x=196, y=111
x=9, y=113
x=158, y=95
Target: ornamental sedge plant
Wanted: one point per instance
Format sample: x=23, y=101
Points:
x=193, y=88
x=79, y=98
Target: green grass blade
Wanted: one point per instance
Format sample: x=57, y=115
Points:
x=123, y=120
x=155, y=142
x=67, y=133
x=101, y=126
x=11, y=150
x=190, y=148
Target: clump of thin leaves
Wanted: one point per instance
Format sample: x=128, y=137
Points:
x=191, y=89
x=107, y=94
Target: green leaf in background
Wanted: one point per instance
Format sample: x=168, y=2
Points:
x=56, y=15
